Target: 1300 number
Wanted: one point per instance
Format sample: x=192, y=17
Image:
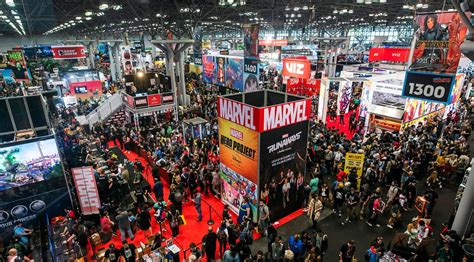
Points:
x=427, y=90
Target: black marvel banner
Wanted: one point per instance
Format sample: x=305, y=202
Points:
x=141, y=101
x=428, y=86
x=283, y=168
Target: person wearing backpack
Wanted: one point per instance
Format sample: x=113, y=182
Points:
x=264, y=217
x=222, y=237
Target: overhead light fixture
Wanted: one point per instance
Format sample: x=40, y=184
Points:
x=360, y=1
x=78, y=18
x=425, y=6
x=382, y=1
x=368, y=2
x=419, y=5
x=103, y=6
x=305, y=7
x=10, y=3
x=88, y=13
x=335, y=12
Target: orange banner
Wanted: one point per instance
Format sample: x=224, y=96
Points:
x=239, y=149
x=296, y=68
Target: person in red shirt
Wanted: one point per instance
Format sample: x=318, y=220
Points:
x=106, y=225
x=341, y=175
x=377, y=209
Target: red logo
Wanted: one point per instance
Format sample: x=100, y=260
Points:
x=154, y=100
x=297, y=68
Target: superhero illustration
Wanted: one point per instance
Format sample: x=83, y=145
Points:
x=220, y=76
x=208, y=68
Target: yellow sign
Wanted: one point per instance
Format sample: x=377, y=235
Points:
x=354, y=160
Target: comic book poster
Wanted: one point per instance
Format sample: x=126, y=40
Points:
x=208, y=68
x=251, y=32
x=234, y=73
x=219, y=77
x=439, y=38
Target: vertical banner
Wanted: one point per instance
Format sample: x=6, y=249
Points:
x=435, y=57
x=251, y=32
x=250, y=74
x=197, y=46
x=220, y=71
x=86, y=189
x=234, y=74
x=208, y=68
x=126, y=60
x=283, y=167
x=354, y=161
x=17, y=64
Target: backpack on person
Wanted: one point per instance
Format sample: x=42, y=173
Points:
x=178, y=196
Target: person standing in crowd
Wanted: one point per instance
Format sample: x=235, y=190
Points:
x=231, y=255
x=144, y=221
x=347, y=251
x=352, y=201
x=173, y=218
x=106, y=225
x=314, y=209
x=158, y=189
x=264, y=217
x=129, y=252
x=296, y=245
x=197, y=205
x=244, y=210
x=112, y=254
x=321, y=242
x=277, y=250
x=209, y=244
x=271, y=236
x=222, y=237
x=124, y=225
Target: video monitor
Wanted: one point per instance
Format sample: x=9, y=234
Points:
x=80, y=89
x=29, y=162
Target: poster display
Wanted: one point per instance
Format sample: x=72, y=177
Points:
x=283, y=167
x=219, y=76
x=126, y=60
x=208, y=68
x=344, y=97
x=239, y=149
x=354, y=161
x=251, y=32
x=68, y=52
x=86, y=188
x=234, y=73
x=386, y=96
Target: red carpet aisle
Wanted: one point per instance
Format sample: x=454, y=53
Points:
x=193, y=231
x=343, y=129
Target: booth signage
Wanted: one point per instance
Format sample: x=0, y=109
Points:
x=427, y=86
x=389, y=54
x=68, y=52
x=282, y=42
x=141, y=101
x=167, y=99
x=354, y=160
x=296, y=68
x=198, y=59
x=239, y=113
x=154, y=100
x=86, y=189
x=285, y=114
x=251, y=66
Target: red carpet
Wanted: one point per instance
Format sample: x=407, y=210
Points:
x=193, y=231
x=343, y=129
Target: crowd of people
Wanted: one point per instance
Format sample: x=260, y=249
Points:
x=395, y=166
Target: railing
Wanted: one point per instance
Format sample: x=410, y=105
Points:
x=103, y=111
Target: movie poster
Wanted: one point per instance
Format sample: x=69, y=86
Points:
x=437, y=48
x=219, y=77
x=344, y=97
x=208, y=69
x=126, y=60
x=239, y=149
x=251, y=72
x=234, y=74
x=251, y=32
x=283, y=168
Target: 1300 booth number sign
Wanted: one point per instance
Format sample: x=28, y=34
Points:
x=426, y=86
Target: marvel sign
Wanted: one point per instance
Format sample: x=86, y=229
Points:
x=237, y=112
x=285, y=114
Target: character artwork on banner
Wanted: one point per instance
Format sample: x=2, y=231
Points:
x=251, y=32
x=208, y=69
x=283, y=167
x=219, y=77
x=17, y=64
x=234, y=73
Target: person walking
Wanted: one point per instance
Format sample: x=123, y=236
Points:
x=314, y=209
x=264, y=217
x=158, y=189
x=209, y=244
x=197, y=205
x=347, y=251
x=144, y=221
x=124, y=225
x=222, y=237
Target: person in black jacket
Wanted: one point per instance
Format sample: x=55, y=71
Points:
x=209, y=244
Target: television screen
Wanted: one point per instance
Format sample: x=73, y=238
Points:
x=81, y=89
x=31, y=162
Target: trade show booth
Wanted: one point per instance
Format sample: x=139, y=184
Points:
x=263, y=139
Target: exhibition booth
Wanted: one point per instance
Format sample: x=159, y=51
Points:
x=263, y=139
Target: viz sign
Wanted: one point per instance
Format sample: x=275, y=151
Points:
x=429, y=87
x=86, y=189
x=68, y=52
x=296, y=68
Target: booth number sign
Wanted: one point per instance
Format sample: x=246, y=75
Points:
x=427, y=86
x=250, y=66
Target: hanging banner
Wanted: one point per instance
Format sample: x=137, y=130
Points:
x=282, y=42
x=86, y=189
x=126, y=60
x=296, y=68
x=154, y=100
x=220, y=71
x=141, y=101
x=208, y=68
x=234, y=74
x=17, y=64
x=251, y=32
x=389, y=54
x=68, y=52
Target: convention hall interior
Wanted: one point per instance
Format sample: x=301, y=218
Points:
x=236, y=130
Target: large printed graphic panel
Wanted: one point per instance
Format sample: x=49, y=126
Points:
x=239, y=149
x=282, y=167
x=219, y=77
x=251, y=32
x=234, y=73
x=208, y=68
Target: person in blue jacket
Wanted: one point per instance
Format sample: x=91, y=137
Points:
x=296, y=245
x=372, y=255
